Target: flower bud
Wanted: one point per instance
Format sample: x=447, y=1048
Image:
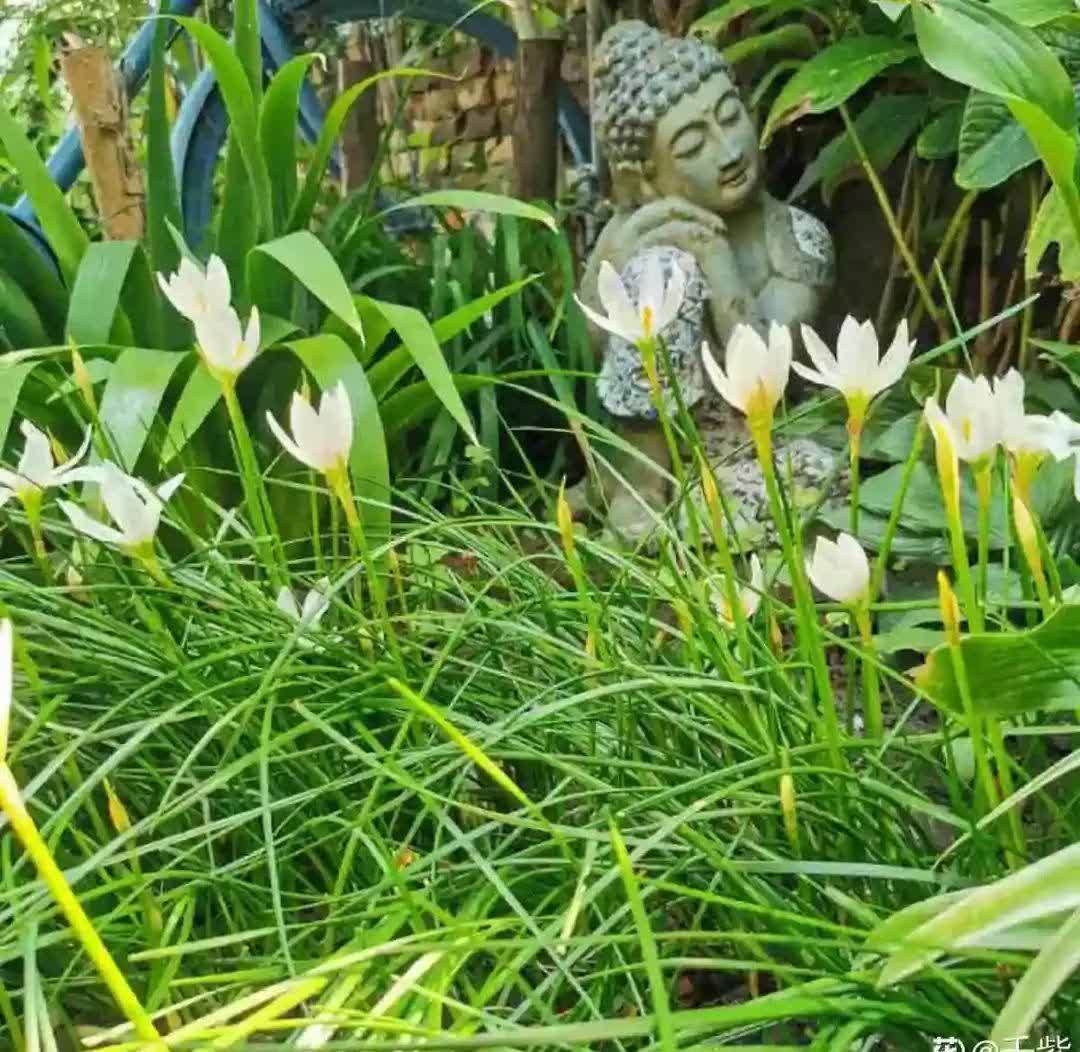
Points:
x=950, y=609
x=117, y=812
x=81, y=376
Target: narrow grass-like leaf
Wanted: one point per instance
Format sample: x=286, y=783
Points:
x=66, y=237
x=479, y=201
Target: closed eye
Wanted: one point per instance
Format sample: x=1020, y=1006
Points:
x=688, y=141
x=729, y=108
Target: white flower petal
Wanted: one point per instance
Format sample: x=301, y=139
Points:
x=623, y=317
x=651, y=292
x=36, y=463
x=335, y=414
x=896, y=359
x=673, y=298
x=217, y=288
x=308, y=432
x=284, y=438
x=316, y=603
x=60, y=473
x=821, y=356
x=717, y=377
x=127, y=507
x=847, y=349
x=286, y=603
x=90, y=526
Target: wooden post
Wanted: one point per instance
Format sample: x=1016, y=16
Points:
x=536, y=117
x=101, y=111
x=360, y=135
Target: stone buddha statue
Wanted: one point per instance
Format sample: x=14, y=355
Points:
x=688, y=188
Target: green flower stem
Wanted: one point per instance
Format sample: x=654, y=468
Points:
x=339, y=483
x=958, y=549
x=974, y=725
x=871, y=686
x=1005, y=779
x=809, y=637
x=914, y=454
x=11, y=803
x=854, y=445
x=984, y=487
x=714, y=499
x=254, y=493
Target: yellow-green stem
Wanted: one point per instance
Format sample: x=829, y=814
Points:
x=251, y=480
x=961, y=564
x=339, y=482
x=854, y=445
x=1005, y=779
x=871, y=687
x=984, y=488
x=11, y=803
x=810, y=641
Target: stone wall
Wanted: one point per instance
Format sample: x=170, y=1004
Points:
x=455, y=129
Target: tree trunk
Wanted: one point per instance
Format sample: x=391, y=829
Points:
x=360, y=136
x=101, y=111
x=536, y=118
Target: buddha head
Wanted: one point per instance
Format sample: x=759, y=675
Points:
x=672, y=121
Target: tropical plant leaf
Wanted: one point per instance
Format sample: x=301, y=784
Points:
x=330, y=359
x=328, y=135
x=1011, y=673
x=1048, y=972
x=240, y=102
x=478, y=201
x=884, y=128
x=66, y=237
x=412, y=405
x=417, y=335
x=1042, y=889
x=35, y=275
x=95, y=297
x=20, y=324
x=832, y=76
x=993, y=145
x=449, y=325
x=162, y=198
x=1052, y=226
x=132, y=397
x=12, y=378
x=310, y=262
x=277, y=133
x=200, y=394
x=941, y=137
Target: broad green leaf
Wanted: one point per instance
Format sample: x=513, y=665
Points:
x=310, y=262
x=328, y=135
x=12, y=378
x=1047, y=974
x=1042, y=889
x=941, y=137
x=330, y=359
x=793, y=38
x=884, y=128
x=277, y=133
x=200, y=394
x=35, y=275
x=833, y=76
x=1052, y=226
x=478, y=201
x=240, y=102
x=993, y=145
x=132, y=397
x=412, y=405
x=66, y=237
x=417, y=335
x=247, y=44
x=96, y=294
x=1033, y=12
x=20, y=324
x=1010, y=673
x=449, y=325
x=977, y=45
x=162, y=198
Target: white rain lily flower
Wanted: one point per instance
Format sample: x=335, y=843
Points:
x=6, y=687
x=855, y=370
x=196, y=293
x=226, y=348
x=840, y=569
x=132, y=505
x=749, y=595
x=1030, y=434
x=320, y=439
x=315, y=604
x=657, y=305
x=972, y=412
x=37, y=471
x=757, y=372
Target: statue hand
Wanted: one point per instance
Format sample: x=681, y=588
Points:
x=659, y=221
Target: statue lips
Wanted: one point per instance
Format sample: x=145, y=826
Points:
x=733, y=175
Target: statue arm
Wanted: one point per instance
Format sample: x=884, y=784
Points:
x=790, y=302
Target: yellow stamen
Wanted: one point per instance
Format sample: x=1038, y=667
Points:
x=647, y=320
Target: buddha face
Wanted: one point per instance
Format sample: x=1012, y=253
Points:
x=705, y=149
